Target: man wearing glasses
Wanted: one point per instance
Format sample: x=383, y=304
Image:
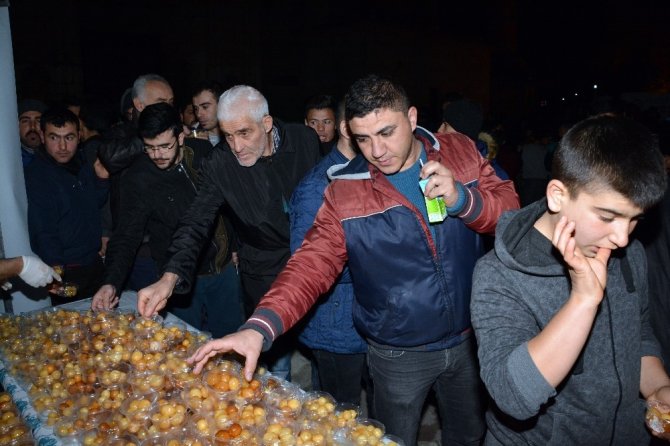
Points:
x=253, y=175
x=156, y=191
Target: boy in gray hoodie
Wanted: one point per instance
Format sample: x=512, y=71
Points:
x=559, y=307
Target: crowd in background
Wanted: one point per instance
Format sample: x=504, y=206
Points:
x=122, y=199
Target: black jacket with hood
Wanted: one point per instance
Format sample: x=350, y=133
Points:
x=517, y=289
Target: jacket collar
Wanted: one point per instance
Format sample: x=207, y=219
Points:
x=360, y=169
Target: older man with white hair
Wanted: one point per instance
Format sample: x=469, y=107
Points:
x=253, y=176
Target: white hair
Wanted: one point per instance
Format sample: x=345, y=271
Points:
x=140, y=84
x=241, y=101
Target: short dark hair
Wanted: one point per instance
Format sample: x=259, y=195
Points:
x=58, y=116
x=339, y=113
x=212, y=86
x=371, y=93
x=613, y=152
x=96, y=117
x=159, y=118
x=319, y=102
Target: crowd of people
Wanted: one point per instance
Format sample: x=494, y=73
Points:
x=530, y=326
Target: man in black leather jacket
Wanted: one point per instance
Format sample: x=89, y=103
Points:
x=156, y=191
x=254, y=177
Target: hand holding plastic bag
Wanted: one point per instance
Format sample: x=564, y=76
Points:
x=36, y=273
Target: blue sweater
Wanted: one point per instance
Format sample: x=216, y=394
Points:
x=330, y=326
x=64, y=219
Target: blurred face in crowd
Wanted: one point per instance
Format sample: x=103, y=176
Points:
x=61, y=142
x=247, y=138
x=76, y=109
x=154, y=92
x=165, y=150
x=322, y=120
x=188, y=116
x=386, y=138
x=204, y=107
x=29, y=129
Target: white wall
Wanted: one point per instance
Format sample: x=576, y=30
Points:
x=13, y=203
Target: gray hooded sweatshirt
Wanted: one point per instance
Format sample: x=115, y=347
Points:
x=517, y=288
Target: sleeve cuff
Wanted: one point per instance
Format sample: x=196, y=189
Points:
x=530, y=385
x=461, y=201
x=267, y=323
x=473, y=205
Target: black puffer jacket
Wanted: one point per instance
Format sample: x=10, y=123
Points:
x=153, y=201
x=258, y=199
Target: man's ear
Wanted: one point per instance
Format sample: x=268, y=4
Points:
x=557, y=195
x=139, y=106
x=412, y=115
x=267, y=123
x=344, y=129
x=180, y=138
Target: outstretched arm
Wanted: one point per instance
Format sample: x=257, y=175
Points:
x=30, y=269
x=556, y=348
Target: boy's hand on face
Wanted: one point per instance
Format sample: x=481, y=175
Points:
x=588, y=274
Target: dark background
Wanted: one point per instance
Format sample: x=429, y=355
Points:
x=520, y=59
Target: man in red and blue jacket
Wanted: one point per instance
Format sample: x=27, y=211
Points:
x=412, y=279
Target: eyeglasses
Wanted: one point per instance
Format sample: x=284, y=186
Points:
x=161, y=147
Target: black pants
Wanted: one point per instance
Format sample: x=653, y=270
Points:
x=341, y=375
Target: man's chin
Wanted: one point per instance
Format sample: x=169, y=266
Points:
x=32, y=143
x=246, y=162
x=162, y=165
x=388, y=169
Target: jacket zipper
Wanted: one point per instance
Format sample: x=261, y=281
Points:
x=212, y=265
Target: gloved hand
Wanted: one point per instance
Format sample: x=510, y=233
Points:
x=36, y=273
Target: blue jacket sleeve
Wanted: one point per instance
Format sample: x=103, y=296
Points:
x=43, y=205
x=305, y=202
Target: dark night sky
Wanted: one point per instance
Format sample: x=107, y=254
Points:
x=508, y=54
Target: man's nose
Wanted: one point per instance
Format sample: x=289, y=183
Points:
x=620, y=235
x=236, y=144
x=377, y=149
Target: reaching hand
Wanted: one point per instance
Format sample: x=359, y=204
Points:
x=247, y=343
x=588, y=274
x=36, y=273
x=152, y=299
x=105, y=298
